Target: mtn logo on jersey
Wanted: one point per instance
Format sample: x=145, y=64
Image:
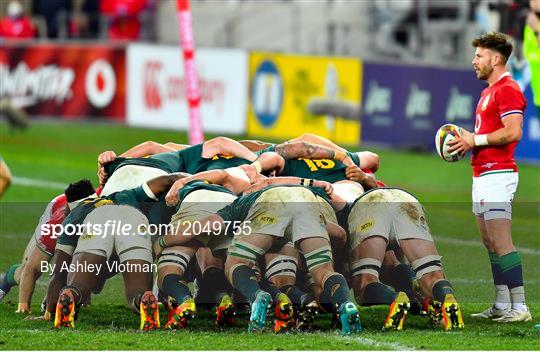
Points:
x=267, y=219
x=367, y=225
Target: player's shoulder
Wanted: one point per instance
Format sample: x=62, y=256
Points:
x=57, y=203
x=508, y=85
x=59, y=200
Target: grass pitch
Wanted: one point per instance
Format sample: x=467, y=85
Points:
x=50, y=155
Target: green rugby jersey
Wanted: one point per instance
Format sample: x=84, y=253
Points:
x=169, y=162
x=135, y=197
x=197, y=185
x=320, y=169
x=271, y=148
x=194, y=163
x=239, y=209
x=187, y=160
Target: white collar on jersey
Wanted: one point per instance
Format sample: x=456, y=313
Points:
x=503, y=75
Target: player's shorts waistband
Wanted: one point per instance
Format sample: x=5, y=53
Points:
x=493, y=172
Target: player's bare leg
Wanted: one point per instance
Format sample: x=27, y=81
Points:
x=318, y=254
x=213, y=287
x=243, y=254
x=426, y=262
x=507, y=273
x=280, y=275
x=172, y=264
x=12, y=276
x=140, y=299
x=368, y=290
x=80, y=284
x=502, y=293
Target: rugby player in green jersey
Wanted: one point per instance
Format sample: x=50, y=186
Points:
x=139, y=164
x=349, y=312
x=390, y=216
x=92, y=233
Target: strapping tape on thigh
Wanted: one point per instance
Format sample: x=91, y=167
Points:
x=281, y=265
x=318, y=257
x=366, y=266
x=172, y=257
x=245, y=251
x=427, y=264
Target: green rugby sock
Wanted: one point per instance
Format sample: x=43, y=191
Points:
x=336, y=288
x=173, y=286
x=244, y=280
x=9, y=278
x=511, y=269
x=376, y=293
x=440, y=289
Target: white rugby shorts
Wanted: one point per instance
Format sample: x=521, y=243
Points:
x=492, y=195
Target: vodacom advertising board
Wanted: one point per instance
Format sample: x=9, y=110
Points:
x=64, y=81
x=157, y=96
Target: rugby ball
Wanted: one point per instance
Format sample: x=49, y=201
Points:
x=445, y=134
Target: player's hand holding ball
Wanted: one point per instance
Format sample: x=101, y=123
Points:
x=453, y=142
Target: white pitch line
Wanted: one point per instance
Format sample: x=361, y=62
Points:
x=486, y=281
x=478, y=243
x=34, y=182
x=391, y=345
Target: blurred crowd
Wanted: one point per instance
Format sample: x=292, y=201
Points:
x=407, y=30
x=128, y=19
x=77, y=19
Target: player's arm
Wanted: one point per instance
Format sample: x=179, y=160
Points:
x=218, y=177
x=369, y=160
x=295, y=150
x=32, y=271
x=176, y=146
x=254, y=145
x=265, y=163
x=315, y=139
x=290, y=180
x=226, y=146
x=146, y=148
x=138, y=151
x=163, y=183
x=355, y=173
x=511, y=132
x=5, y=177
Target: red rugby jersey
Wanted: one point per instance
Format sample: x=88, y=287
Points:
x=503, y=98
x=53, y=214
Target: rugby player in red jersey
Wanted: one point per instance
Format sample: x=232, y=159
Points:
x=498, y=129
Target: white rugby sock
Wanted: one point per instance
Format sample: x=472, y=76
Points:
x=502, y=297
x=518, y=298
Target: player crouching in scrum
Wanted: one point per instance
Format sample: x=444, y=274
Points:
x=385, y=215
x=117, y=224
